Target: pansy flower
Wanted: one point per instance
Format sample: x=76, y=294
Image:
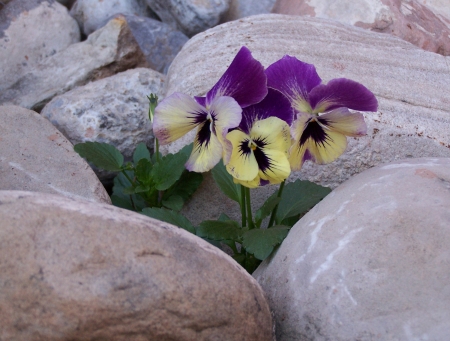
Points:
x=260, y=144
x=323, y=119
x=244, y=83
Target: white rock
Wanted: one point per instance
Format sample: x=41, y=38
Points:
x=245, y=8
x=113, y=110
x=30, y=31
x=369, y=262
x=410, y=84
x=107, y=51
x=190, y=16
x=93, y=14
x=35, y=156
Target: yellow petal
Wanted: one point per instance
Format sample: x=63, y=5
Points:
x=204, y=156
x=250, y=184
x=279, y=168
x=242, y=164
x=274, y=132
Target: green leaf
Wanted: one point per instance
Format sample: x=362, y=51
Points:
x=141, y=152
x=266, y=209
x=120, y=199
x=185, y=186
x=170, y=217
x=260, y=242
x=298, y=197
x=102, y=155
x=219, y=230
x=225, y=182
x=123, y=202
x=175, y=202
x=168, y=170
x=224, y=217
x=143, y=172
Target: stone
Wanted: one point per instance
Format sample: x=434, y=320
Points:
x=411, y=20
x=75, y=270
x=113, y=110
x=93, y=14
x=35, y=156
x=369, y=262
x=410, y=84
x=439, y=7
x=245, y=8
x=159, y=42
x=107, y=51
x=190, y=16
x=30, y=31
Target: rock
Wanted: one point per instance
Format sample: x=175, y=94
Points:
x=35, y=156
x=112, y=110
x=411, y=20
x=93, y=14
x=245, y=8
x=30, y=31
x=369, y=262
x=439, y=7
x=159, y=42
x=107, y=51
x=74, y=270
x=190, y=16
x=410, y=84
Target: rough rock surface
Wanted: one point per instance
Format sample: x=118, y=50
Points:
x=93, y=14
x=370, y=262
x=245, y=8
x=107, y=51
x=112, y=110
x=190, y=16
x=410, y=84
x=35, y=156
x=411, y=20
x=30, y=31
x=74, y=270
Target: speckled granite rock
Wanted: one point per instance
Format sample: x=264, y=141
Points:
x=244, y=8
x=369, y=262
x=35, y=156
x=75, y=270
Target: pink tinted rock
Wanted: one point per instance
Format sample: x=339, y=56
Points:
x=412, y=20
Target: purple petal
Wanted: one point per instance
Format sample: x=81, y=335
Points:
x=201, y=100
x=244, y=80
x=294, y=78
x=274, y=104
x=342, y=93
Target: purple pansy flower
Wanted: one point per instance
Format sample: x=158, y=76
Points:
x=323, y=119
x=244, y=83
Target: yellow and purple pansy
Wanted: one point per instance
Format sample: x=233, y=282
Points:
x=323, y=119
x=260, y=144
x=244, y=83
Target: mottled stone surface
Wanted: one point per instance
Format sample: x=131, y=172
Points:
x=35, y=156
x=93, y=14
x=190, y=16
x=74, y=270
x=30, y=31
x=370, y=262
x=245, y=8
x=412, y=20
x=107, y=51
x=113, y=110
x=410, y=84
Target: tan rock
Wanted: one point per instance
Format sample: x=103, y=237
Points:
x=410, y=84
x=73, y=270
x=35, y=156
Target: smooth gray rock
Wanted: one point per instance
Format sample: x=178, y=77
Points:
x=75, y=270
x=410, y=84
x=113, y=110
x=369, y=262
x=35, y=156
x=92, y=14
x=30, y=31
x=245, y=8
x=107, y=51
x=190, y=16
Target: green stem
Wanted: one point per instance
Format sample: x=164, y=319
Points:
x=249, y=208
x=157, y=149
x=275, y=209
x=242, y=204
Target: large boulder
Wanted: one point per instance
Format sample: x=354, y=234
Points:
x=113, y=110
x=74, y=270
x=411, y=86
x=369, y=262
x=35, y=156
